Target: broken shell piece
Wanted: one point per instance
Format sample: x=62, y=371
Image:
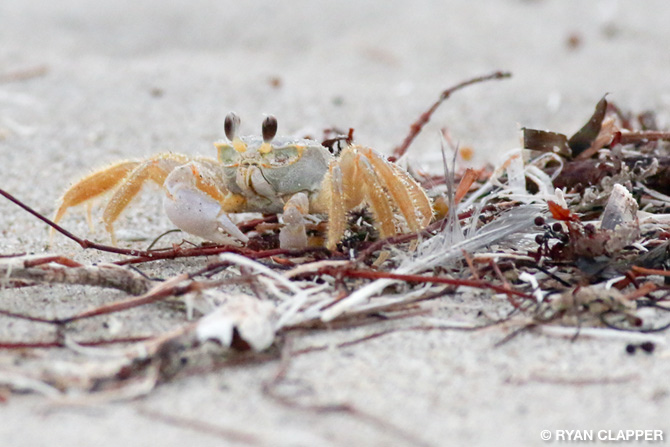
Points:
x=253, y=319
x=587, y=305
x=621, y=209
x=594, y=299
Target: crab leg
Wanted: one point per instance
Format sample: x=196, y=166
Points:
x=405, y=193
x=155, y=169
x=418, y=196
x=337, y=213
x=343, y=183
x=352, y=191
x=377, y=198
x=362, y=175
x=125, y=178
x=93, y=186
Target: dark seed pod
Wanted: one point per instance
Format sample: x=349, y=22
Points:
x=648, y=347
x=269, y=128
x=539, y=221
x=230, y=125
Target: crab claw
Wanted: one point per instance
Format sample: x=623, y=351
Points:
x=195, y=212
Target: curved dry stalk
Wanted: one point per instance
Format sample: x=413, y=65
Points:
x=423, y=119
x=61, y=270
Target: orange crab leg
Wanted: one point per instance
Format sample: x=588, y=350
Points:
x=155, y=169
x=129, y=189
x=94, y=185
x=377, y=198
x=337, y=213
x=353, y=192
x=362, y=175
x=404, y=191
x=419, y=197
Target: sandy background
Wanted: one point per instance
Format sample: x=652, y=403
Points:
x=128, y=78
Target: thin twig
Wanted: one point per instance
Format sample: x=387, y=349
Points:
x=84, y=243
x=576, y=380
x=423, y=119
x=24, y=74
x=9, y=345
x=373, y=274
x=383, y=333
x=140, y=256
x=198, y=426
x=643, y=135
x=162, y=291
x=270, y=390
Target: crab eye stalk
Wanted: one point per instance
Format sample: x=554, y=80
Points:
x=269, y=128
x=230, y=125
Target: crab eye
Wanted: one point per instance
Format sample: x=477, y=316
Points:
x=282, y=156
x=227, y=154
x=269, y=128
x=230, y=125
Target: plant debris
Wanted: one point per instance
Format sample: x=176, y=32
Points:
x=572, y=232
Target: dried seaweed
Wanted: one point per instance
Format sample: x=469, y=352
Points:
x=584, y=138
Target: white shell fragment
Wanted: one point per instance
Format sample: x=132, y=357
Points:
x=621, y=209
x=253, y=319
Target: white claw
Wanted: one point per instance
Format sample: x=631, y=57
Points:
x=227, y=225
x=195, y=212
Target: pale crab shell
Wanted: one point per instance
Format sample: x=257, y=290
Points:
x=267, y=173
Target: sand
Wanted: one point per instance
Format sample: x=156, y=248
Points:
x=84, y=84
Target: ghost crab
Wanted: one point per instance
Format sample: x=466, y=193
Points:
x=267, y=174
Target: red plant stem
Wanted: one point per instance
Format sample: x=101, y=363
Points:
x=60, y=260
x=251, y=224
x=646, y=271
x=416, y=127
x=373, y=274
x=154, y=255
x=129, y=303
x=9, y=313
x=642, y=135
x=59, y=344
x=84, y=243
x=215, y=250
x=506, y=284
